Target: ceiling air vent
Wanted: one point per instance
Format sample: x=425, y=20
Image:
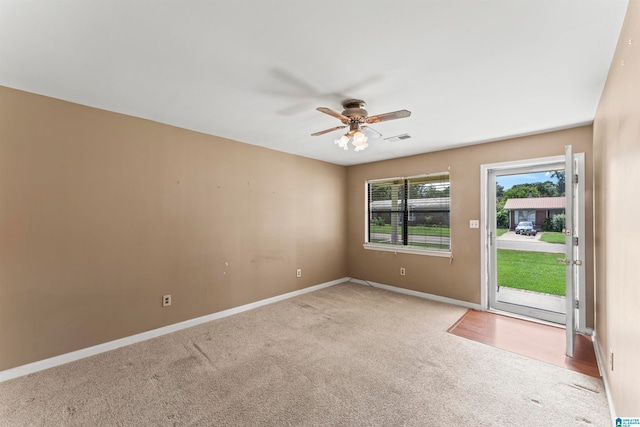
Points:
x=398, y=137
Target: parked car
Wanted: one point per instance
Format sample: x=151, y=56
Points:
x=526, y=228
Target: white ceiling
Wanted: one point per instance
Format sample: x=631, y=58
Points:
x=470, y=71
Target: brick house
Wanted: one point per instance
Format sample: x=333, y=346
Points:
x=534, y=209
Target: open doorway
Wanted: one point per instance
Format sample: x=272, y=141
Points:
x=530, y=219
x=525, y=239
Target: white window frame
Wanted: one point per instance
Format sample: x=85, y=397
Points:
x=407, y=249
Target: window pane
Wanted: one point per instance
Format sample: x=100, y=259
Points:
x=386, y=211
x=412, y=211
x=522, y=215
x=428, y=212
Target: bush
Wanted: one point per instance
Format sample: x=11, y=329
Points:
x=502, y=218
x=558, y=222
x=547, y=225
x=377, y=221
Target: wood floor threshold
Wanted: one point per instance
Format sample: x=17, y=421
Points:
x=531, y=339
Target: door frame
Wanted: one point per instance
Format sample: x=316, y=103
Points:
x=487, y=201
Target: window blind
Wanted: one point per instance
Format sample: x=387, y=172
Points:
x=412, y=211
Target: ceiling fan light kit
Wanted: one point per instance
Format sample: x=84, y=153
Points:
x=356, y=136
x=354, y=116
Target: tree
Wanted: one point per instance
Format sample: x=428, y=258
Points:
x=502, y=215
x=521, y=191
x=380, y=191
x=560, y=175
x=427, y=191
x=547, y=189
x=499, y=191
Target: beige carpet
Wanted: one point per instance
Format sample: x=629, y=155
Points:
x=348, y=355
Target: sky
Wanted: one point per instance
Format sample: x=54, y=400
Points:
x=508, y=181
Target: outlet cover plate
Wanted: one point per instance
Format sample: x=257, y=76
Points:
x=166, y=300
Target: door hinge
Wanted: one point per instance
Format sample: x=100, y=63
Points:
x=575, y=241
x=575, y=179
x=577, y=304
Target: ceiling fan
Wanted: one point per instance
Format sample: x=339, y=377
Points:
x=355, y=117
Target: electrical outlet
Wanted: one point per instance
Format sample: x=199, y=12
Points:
x=611, y=359
x=402, y=271
x=474, y=223
x=299, y=272
x=166, y=300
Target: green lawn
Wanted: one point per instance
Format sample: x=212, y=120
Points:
x=533, y=271
x=552, y=237
x=424, y=245
x=501, y=231
x=414, y=230
x=429, y=245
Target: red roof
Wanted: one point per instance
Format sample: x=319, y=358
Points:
x=537, y=203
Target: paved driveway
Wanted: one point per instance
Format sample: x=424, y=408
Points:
x=517, y=242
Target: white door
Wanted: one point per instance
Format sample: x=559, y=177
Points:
x=575, y=295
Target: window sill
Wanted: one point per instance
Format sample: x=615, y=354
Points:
x=406, y=250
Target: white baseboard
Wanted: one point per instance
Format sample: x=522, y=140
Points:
x=122, y=342
x=602, y=367
x=419, y=294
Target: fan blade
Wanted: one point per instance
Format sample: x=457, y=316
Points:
x=400, y=114
x=370, y=132
x=329, y=111
x=322, y=132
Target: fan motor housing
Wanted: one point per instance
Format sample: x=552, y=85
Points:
x=354, y=109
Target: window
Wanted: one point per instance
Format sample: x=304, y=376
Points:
x=525, y=216
x=409, y=214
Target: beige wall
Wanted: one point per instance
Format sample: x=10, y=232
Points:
x=617, y=209
x=459, y=279
x=101, y=214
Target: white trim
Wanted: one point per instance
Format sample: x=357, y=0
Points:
x=405, y=249
x=51, y=362
x=366, y=213
x=534, y=164
x=432, y=297
x=602, y=367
